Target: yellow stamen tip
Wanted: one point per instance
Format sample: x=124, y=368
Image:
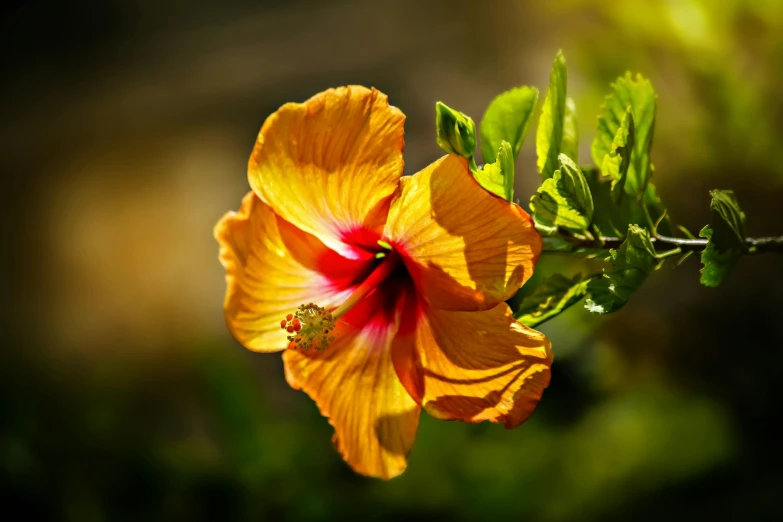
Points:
x=314, y=327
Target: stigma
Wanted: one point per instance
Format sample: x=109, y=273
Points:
x=311, y=326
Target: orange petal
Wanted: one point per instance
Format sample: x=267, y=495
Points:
x=354, y=383
x=474, y=366
x=271, y=268
x=465, y=248
x=330, y=164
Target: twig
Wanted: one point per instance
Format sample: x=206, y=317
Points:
x=754, y=245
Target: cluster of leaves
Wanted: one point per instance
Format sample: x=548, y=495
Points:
x=580, y=210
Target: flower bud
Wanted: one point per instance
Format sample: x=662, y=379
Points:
x=456, y=132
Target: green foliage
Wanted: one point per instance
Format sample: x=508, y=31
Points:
x=606, y=215
x=570, y=144
x=616, y=163
x=456, y=132
x=725, y=237
x=631, y=263
x=549, y=135
x=507, y=118
x=726, y=210
x=612, y=217
x=638, y=95
x=563, y=201
x=498, y=177
x=583, y=212
x=552, y=297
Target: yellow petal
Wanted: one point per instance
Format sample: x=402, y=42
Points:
x=330, y=164
x=465, y=248
x=271, y=268
x=354, y=383
x=475, y=366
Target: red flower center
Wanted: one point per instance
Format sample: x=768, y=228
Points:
x=380, y=287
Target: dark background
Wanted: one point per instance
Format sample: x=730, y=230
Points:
x=125, y=129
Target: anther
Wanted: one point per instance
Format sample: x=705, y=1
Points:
x=310, y=327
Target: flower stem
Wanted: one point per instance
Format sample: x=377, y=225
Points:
x=753, y=245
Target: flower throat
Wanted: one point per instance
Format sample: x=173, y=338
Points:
x=312, y=326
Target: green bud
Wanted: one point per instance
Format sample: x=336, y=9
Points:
x=456, y=132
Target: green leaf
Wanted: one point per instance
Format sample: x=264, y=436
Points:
x=639, y=95
x=456, y=132
x=552, y=297
x=549, y=135
x=606, y=215
x=613, y=218
x=507, y=118
x=725, y=237
x=498, y=177
x=631, y=263
x=726, y=210
x=570, y=144
x=616, y=163
x=557, y=244
x=563, y=200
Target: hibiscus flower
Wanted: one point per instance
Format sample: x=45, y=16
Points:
x=385, y=293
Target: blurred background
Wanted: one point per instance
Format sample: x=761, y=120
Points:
x=125, y=130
